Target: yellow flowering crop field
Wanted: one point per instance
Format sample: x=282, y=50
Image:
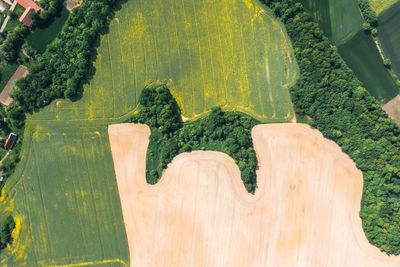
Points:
x=233, y=54
x=381, y=5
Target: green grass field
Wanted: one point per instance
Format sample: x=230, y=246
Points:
x=340, y=19
x=362, y=56
x=211, y=53
x=342, y=22
x=389, y=35
x=63, y=193
x=381, y=5
x=41, y=37
x=66, y=200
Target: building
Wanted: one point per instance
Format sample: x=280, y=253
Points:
x=26, y=16
x=30, y=7
x=10, y=141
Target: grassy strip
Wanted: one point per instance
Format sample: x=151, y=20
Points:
x=330, y=95
x=228, y=132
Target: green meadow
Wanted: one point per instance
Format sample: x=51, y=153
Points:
x=340, y=19
x=65, y=200
x=41, y=37
x=389, y=35
x=362, y=56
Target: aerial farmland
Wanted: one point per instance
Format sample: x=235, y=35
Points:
x=201, y=133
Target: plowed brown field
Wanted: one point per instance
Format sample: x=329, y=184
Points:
x=304, y=212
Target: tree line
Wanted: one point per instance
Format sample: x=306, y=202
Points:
x=6, y=230
x=369, y=15
x=67, y=63
x=228, y=132
x=330, y=98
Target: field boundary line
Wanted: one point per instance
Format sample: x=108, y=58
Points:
x=88, y=263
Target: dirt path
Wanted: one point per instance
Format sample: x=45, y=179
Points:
x=21, y=72
x=5, y=156
x=304, y=212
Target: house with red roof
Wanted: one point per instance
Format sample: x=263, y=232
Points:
x=30, y=7
x=10, y=141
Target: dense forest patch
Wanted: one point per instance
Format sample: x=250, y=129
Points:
x=228, y=132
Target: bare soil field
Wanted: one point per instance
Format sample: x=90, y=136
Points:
x=392, y=108
x=21, y=72
x=304, y=212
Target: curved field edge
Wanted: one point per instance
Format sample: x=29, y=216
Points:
x=239, y=59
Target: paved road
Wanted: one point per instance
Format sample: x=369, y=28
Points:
x=8, y=2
